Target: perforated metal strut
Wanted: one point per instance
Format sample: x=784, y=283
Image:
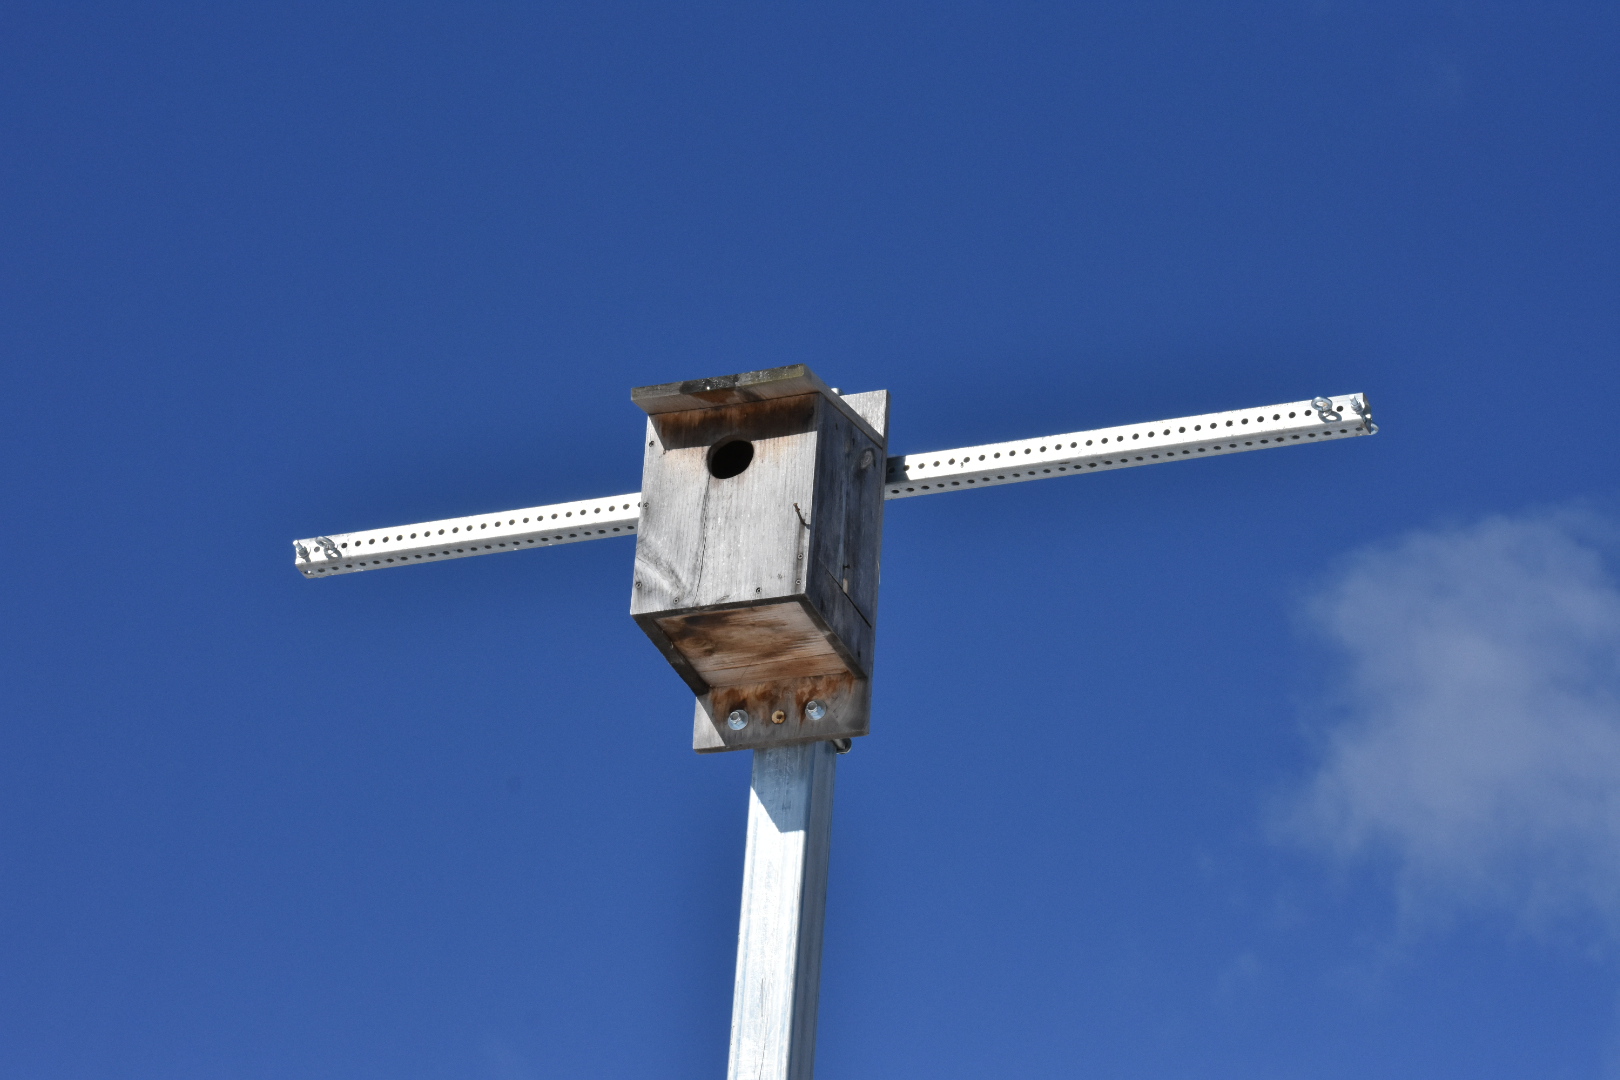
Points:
x=463, y=537
x=1129, y=445
x=1187, y=438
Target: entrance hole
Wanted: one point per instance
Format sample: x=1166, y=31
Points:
x=729, y=459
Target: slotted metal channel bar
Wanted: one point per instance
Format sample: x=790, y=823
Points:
x=463, y=537
x=1129, y=445
x=1297, y=423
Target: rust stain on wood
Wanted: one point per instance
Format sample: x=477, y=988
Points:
x=846, y=700
x=753, y=644
x=772, y=419
x=743, y=387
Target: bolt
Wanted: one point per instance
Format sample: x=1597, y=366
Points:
x=815, y=710
x=737, y=720
x=778, y=717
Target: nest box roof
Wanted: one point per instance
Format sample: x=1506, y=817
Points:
x=794, y=380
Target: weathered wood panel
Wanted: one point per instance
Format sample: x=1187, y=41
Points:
x=846, y=530
x=775, y=419
x=873, y=407
x=742, y=389
x=753, y=644
x=705, y=541
x=847, y=700
x=763, y=573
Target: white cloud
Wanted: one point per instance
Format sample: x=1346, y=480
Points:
x=1479, y=750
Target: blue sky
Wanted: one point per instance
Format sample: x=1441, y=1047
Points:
x=1302, y=764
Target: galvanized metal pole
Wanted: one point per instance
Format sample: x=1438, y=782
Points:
x=784, y=898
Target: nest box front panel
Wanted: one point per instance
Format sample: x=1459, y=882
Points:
x=739, y=551
x=719, y=491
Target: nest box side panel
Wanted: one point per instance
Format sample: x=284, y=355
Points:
x=872, y=407
x=846, y=536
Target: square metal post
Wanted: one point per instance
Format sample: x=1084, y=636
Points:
x=784, y=901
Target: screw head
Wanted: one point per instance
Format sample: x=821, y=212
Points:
x=737, y=720
x=815, y=710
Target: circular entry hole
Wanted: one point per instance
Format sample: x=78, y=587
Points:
x=729, y=459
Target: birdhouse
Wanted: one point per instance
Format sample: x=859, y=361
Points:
x=757, y=552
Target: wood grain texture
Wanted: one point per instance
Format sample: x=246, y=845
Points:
x=873, y=407
x=753, y=644
x=784, y=898
x=705, y=541
x=848, y=701
x=846, y=535
x=767, y=577
x=775, y=419
x=741, y=389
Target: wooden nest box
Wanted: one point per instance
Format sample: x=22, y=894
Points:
x=757, y=553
